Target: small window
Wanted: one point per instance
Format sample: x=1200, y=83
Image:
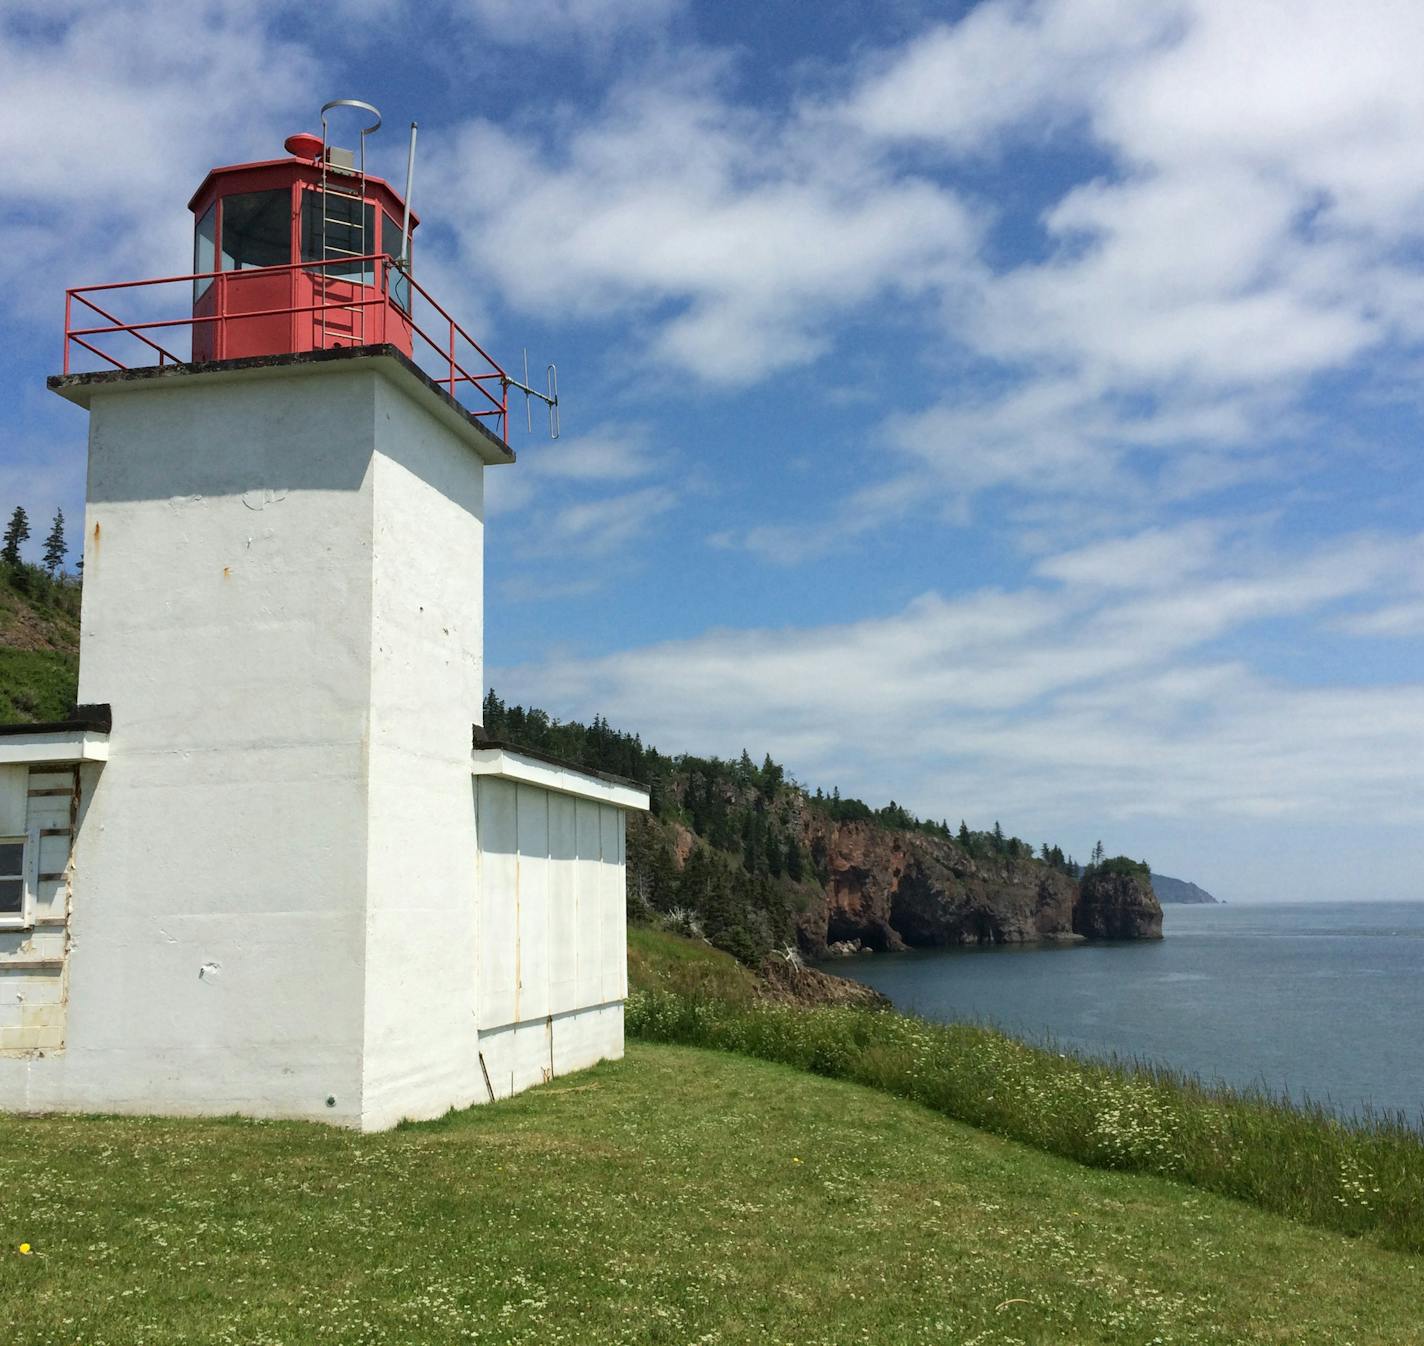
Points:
x=256, y=230
x=346, y=231
x=391, y=246
x=205, y=250
x=12, y=880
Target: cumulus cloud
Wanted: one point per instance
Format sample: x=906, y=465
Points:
x=121, y=107
x=732, y=238
x=1095, y=691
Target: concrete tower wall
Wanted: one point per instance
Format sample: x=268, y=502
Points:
x=290, y=889
x=218, y=940
x=427, y=683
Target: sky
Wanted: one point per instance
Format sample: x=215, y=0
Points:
x=1010, y=409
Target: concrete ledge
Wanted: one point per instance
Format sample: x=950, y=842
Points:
x=81, y=389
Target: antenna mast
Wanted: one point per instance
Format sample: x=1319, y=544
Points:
x=409, y=179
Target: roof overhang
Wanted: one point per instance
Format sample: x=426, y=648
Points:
x=500, y=760
x=51, y=745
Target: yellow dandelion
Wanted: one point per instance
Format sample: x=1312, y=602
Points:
x=24, y=1250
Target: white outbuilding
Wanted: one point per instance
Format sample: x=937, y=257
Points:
x=271, y=865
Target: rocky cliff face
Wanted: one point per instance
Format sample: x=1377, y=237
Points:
x=890, y=889
x=1113, y=905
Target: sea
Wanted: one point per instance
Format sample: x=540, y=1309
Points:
x=1321, y=1001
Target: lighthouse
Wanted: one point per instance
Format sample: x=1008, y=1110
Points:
x=272, y=865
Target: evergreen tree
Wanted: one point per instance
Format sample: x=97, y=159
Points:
x=964, y=838
x=1097, y=854
x=54, y=545
x=795, y=864
x=773, y=854
x=17, y=531
x=998, y=837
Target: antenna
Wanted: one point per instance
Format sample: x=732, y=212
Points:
x=550, y=398
x=405, y=227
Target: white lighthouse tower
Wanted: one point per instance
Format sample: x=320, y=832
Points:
x=271, y=866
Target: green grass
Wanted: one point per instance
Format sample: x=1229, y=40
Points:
x=680, y=1196
x=36, y=685
x=39, y=645
x=1365, y=1179
x=659, y=961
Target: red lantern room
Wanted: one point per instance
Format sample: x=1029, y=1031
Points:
x=294, y=256
x=299, y=254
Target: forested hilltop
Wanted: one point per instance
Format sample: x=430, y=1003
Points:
x=732, y=850
x=752, y=860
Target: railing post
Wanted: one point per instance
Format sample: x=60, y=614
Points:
x=452, y=357
x=68, y=305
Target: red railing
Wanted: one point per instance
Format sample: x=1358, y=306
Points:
x=451, y=357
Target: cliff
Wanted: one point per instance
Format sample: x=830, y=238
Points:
x=892, y=888
x=1116, y=901
x=1179, y=890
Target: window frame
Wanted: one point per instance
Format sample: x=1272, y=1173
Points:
x=24, y=918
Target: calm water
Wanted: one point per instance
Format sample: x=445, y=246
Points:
x=1324, y=1001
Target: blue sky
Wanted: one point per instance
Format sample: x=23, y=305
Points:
x=1009, y=408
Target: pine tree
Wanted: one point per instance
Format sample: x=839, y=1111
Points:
x=16, y=532
x=964, y=837
x=1097, y=854
x=54, y=545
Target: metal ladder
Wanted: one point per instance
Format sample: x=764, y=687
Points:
x=330, y=252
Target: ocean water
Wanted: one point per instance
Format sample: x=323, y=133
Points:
x=1322, y=1001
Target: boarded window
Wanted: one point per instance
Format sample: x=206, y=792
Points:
x=12, y=876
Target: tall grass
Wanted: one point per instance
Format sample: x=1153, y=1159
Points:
x=1362, y=1178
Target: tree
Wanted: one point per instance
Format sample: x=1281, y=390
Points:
x=17, y=531
x=1097, y=854
x=54, y=548
x=964, y=837
x=998, y=837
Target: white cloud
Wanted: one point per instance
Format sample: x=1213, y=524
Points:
x=518, y=23
x=1093, y=694
x=1404, y=619
x=122, y=108
x=745, y=234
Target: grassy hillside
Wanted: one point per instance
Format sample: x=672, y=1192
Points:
x=680, y=1196
x=39, y=644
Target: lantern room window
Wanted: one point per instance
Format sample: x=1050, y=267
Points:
x=256, y=230
x=205, y=237
x=391, y=246
x=348, y=230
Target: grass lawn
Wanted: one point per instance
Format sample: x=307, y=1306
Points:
x=681, y=1196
